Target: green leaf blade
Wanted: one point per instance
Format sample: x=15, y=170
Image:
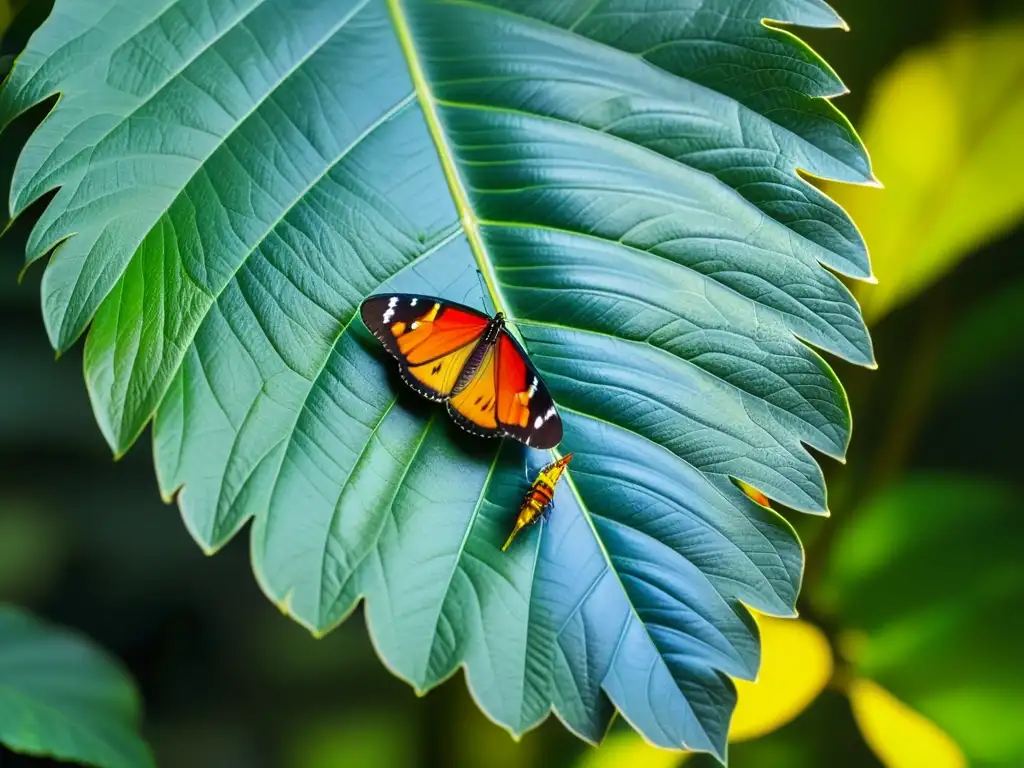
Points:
x=673, y=309
x=580, y=181
x=638, y=217
x=672, y=110
x=648, y=393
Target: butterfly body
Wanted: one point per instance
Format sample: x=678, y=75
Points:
x=457, y=355
x=476, y=357
x=540, y=497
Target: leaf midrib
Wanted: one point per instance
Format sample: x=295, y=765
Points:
x=471, y=226
x=460, y=198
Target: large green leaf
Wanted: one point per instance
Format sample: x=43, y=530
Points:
x=929, y=579
x=62, y=698
x=234, y=177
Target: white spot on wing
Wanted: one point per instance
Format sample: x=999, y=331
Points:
x=413, y=302
x=390, y=311
x=532, y=390
x=540, y=420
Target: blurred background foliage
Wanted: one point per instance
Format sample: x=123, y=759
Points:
x=908, y=650
x=62, y=696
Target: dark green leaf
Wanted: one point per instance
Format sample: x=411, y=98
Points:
x=986, y=338
x=61, y=697
x=236, y=176
x=929, y=578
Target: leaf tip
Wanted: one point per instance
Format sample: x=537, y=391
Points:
x=24, y=269
x=170, y=496
x=720, y=751
x=117, y=442
x=284, y=605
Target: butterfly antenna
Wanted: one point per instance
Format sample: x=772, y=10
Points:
x=489, y=303
x=488, y=299
x=466, y=294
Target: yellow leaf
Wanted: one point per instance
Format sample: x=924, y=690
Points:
x=754, y=494
x=901, y=737
x=943, y=129
x=796, y=664
x=626, y=749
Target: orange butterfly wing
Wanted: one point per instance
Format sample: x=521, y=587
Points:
x=474, y=406
x=439, y=344
x=431, y=338
x=506, y=397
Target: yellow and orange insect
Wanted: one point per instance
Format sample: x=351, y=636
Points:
x=540, y=496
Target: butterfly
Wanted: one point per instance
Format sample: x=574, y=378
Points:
x=540, y=497
x=458, y=355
